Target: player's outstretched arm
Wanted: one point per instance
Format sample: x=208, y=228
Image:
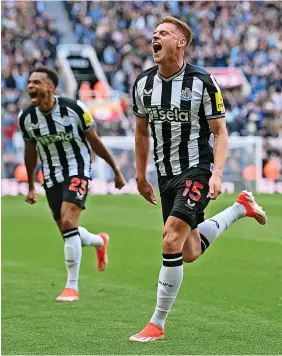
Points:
x=100, y=149
x=218, y=128
x=30, y=159
x=142, y=149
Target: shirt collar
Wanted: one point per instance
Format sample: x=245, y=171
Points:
x=53, y=108
x=181, y=70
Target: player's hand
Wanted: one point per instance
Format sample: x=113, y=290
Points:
x=31, y=197
x=146, y=189
x=119, y=180
x=215, y=186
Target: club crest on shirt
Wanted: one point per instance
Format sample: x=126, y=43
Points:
x=186, y=94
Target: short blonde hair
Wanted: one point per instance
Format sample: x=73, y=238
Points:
x=187, y=31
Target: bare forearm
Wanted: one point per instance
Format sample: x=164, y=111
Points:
x=142, y=149
x=30, y=159
x=99, y=148
x=220, y=152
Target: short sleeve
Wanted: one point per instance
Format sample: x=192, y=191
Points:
x=138, y=107
x=22, y=127
x=86, y=121
x=212, y=100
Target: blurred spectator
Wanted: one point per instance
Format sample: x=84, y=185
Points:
x=85, y=91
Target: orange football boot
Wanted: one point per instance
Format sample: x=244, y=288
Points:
x=253, y=210
x=150, y=333
x=101, y=253
x=68, y=295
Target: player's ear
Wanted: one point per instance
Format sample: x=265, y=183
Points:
x=181, y=43
x=51, y=86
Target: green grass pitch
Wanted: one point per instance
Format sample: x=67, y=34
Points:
x=230, y=301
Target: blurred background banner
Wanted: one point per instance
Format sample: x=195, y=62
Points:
x=99, y=48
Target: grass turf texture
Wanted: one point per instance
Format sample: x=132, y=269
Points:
x=230, y=301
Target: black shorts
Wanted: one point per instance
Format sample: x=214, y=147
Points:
x=72, y=190
x=185, y=195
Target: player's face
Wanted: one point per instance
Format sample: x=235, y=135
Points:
x=39, y=88
x=165, y=41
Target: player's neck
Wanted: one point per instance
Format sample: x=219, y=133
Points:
x=48, y=104
x=169, y=69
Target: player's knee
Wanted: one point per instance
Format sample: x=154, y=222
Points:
x=171, y=241
x=67, y=222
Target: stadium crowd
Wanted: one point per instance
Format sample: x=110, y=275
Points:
x=241, y=34
x=245, y=34
x=29, y=37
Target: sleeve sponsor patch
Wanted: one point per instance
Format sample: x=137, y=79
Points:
x=219, y=101
x=88, y=119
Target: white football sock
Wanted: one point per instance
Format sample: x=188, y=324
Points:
x=211, y=228
x=89, y=239
x=170, y=279
x=73, y=252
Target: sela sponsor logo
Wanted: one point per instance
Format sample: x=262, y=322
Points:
x=158, y=113
x=186, y=94
x=59, y=137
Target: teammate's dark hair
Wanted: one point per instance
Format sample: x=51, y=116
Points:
x=51, y=73
x=187, y=31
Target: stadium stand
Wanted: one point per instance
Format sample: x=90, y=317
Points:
x=245, y=35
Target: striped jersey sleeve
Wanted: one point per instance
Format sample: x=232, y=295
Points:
x=86, y=121
x=138, y=106
x=212, y=99
x=21, y=124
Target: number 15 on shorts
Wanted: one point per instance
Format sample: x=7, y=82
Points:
x=193, y=190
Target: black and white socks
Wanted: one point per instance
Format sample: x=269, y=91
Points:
x=170, y=279
x=73, y=252
x=212, y=228
x=89, y=239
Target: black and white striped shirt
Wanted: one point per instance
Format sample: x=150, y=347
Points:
x=60, y=138
x=178, y=109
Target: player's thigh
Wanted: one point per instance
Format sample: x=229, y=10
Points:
x=167, y=201
x=192, y=196
x=74, y=198
x=54, y=197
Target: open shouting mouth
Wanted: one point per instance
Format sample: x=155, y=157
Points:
x=34, y=96
x=157, y=47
